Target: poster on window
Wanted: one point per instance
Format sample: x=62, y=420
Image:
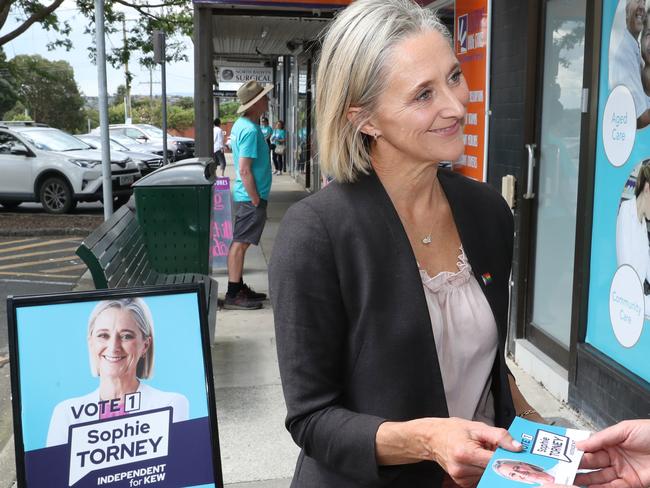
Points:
x=619, y=292
x=113, y=388
x=471, y=46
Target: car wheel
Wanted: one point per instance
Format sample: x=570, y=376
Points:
x=56, y=196
x=10, y=205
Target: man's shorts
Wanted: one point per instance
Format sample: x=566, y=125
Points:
x=249, y=222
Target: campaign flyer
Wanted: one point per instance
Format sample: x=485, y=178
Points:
x=113, y=392
x=549, y=456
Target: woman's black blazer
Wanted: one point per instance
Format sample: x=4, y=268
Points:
x=354, y=337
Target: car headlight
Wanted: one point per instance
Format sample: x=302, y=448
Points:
x=85, y=163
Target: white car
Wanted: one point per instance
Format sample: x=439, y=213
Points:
x=147, y=162
x=183, y=147
x=47, y=165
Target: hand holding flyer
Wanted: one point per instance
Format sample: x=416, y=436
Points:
x=549, y=456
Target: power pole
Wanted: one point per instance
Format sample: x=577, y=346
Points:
x=159, y=57
x=151, y=83
x=107, y=182
x=127, y=75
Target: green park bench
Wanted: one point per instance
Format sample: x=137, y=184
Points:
x=116, y=255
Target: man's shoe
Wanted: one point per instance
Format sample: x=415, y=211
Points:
x=241, y=302
x=252, y=294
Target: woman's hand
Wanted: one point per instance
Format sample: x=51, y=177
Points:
x=462, y=447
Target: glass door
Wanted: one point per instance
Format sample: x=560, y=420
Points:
x=555, y=196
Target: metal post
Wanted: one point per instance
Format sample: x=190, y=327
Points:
x=203, y=82
x=127, y=101
x=163, y=80
x=159, y=57
x=107, y=183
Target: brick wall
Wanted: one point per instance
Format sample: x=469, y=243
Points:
x=506, y=152
x=507, y=88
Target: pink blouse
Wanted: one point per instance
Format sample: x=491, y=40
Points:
x=466, y=339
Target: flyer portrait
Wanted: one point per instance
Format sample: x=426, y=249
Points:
x=549, y=456
x=113, y=388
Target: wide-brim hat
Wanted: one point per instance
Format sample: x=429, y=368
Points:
x=251, y=92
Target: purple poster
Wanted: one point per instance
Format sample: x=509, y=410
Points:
x=220, y=224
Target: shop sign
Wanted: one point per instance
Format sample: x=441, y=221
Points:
x=74, y=427
x=619, y=292
x=220, y=224
x=242, y=74
x=472, y=20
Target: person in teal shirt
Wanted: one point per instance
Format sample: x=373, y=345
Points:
x=266, y=129
x=250, y=191
x=279, y=139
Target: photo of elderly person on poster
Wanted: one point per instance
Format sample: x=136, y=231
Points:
x=390, y=293
x=120, y=339
x=626, y=64
x=632, y=244
x=522, y=472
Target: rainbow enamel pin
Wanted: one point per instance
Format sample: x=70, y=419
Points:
x=487, y=278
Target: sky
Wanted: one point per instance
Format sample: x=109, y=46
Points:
x=180, y=76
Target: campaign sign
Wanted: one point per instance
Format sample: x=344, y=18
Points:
x=220, y=224
x=472, y=49
x=113, y=388
x=549, y=455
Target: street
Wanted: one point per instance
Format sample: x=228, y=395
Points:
x=35, y=260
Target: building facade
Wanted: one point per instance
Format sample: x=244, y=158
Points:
x=560, y=120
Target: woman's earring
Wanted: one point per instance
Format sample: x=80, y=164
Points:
x=375, y=136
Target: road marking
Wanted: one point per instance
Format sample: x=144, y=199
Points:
x=18, y=241
x=38, y=244
x=38, y=282
x=42, y=261
x=64, y=268
x=37, y=253
x=38, y=275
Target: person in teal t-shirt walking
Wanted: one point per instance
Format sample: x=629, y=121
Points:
x=251, y=191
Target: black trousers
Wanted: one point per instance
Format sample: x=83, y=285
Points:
x=278, y=162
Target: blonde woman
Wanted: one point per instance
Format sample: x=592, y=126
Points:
x=390, y=293
x=121, y=353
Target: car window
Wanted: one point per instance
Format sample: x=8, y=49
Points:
x=133, y=133
x=54, y=140
x=151, y=130
x=7, y=141
x=122, y=139
x=116, y=146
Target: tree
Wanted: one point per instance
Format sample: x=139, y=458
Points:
x=174, y=17
x=49, y=92
x=120, y=93
x=180, y=118
x=8, y=86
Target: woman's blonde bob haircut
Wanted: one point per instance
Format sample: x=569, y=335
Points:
x=352, y=71
x=142, y=315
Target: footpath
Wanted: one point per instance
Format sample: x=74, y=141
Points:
x=256, y=450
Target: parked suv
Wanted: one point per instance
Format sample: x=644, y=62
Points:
x=183, y=147
x=47, y=165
